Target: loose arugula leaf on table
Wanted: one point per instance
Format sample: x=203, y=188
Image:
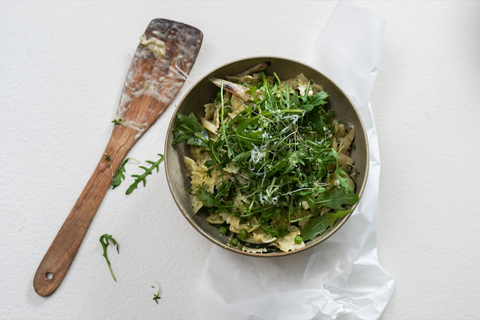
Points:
x=120, y=175
x=104, y=240
x=143, y=177
x=156, y=296
x=319, y=224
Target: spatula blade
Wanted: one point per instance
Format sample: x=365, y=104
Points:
x=159, y=68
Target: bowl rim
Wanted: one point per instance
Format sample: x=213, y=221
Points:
x=338, y=225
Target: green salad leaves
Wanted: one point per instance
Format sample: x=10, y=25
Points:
x=281, y=142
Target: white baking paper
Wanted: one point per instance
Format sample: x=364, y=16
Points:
x=341, y=277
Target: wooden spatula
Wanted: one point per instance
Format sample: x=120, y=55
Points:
x=162, y=62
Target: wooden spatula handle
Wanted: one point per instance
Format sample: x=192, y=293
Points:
x=64, y=247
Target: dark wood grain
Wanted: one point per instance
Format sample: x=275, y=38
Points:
x=151, y=84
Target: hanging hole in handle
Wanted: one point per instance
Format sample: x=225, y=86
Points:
x=49, y=275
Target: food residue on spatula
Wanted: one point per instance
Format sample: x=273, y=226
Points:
x=153, y=44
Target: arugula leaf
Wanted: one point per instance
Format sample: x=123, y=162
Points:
x=339, y=173
x=156, y=296
x=224, y=136
x=120, y=175
x=251, y=138
x=337, y=200
x=320, y=122
x=279, y=230
x=318, y=99
x=275, y=231
x=212, y=201
x=305, y=96
x=143, y=177
x=207, y=198
x=242, y=156
x=319, y=224
x=189, y=129
x=104, y=240
x=307, y=107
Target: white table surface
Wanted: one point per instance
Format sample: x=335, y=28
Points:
x=62, y=67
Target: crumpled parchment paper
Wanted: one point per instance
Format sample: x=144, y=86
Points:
x=341, y=277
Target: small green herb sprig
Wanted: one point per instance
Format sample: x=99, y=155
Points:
x=156, y=296
x=109, y=161
x=117, y=121
x=143, y=177
x=120, y=175
x=104, y=240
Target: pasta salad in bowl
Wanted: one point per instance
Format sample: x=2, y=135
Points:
x=266, y=156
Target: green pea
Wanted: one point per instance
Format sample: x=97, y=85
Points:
x=234, y=242
x=298, y=240
x=223, y=230
x=243, y=234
